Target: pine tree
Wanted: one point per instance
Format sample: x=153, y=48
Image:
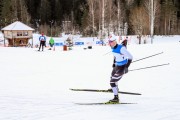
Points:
x=7, y=12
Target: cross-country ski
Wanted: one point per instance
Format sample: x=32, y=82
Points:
x=108, y=91
x=104, y=103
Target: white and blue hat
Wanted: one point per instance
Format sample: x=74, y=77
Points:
x=112, y=37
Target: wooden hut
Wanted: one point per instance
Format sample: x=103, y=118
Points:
x=17, y=34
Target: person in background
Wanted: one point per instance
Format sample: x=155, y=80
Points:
x=42, y=40
x=122, y=60
x=124, y=42
x=51, y=43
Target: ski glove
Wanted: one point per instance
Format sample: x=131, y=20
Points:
x=125, y=70
x=128, y=63
x=113, y=65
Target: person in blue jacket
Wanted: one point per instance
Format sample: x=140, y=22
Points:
x=42, y=40
x=122, y=60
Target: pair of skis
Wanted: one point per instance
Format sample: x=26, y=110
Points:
x=107, y=91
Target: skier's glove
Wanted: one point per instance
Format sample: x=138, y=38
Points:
x=128, y=63
x=113, y=65
x=126, y=70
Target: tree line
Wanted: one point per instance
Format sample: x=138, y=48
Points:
x=94, y=17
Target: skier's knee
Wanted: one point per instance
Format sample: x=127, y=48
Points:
x=112, y=84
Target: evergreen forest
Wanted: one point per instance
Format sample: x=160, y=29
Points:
x=94, y=17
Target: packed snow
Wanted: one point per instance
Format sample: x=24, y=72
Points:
x=35, y=85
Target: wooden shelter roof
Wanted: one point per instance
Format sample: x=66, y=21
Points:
x=17, y=26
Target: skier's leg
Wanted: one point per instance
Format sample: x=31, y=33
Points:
x=40, y=46
x=117, y=74
x=43, y=44
x=115, y=91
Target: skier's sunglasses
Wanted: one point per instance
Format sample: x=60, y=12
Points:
x=111, y=41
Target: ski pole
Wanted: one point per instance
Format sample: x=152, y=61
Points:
x=149, y=67
x=106, y=53
x=148, y=57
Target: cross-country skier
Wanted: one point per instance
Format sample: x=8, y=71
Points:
x=122, y=60
x=124, y=42
x=42, y=40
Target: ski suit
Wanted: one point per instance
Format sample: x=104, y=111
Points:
x=42, y=40
x=122, y=60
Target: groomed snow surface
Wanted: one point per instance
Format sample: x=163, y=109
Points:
x=35, y=85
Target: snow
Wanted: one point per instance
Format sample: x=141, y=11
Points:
x=35, y=85
x=17, y=26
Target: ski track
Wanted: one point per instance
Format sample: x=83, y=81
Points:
x=35, y=85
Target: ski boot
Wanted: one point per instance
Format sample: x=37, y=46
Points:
x=115, y=99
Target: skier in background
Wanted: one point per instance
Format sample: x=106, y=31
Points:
x=122, y=60
x=42, y=40
x=124, y=42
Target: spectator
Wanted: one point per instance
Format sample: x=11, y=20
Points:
x=42, y=40
x=51, y=43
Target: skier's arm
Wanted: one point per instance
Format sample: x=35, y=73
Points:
x=128, y=55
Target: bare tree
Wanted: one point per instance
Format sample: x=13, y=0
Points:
x=103, y=15
x=139, y=20
x=92, y=8
x=120, y=17
x=152, y=8
x=169, y=15
x=129, y=2
x=110, y=18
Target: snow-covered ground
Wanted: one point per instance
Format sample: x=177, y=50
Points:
x=35, y=85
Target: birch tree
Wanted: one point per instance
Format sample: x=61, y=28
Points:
x=120, y=16
x=152, y=7
x=103, y=16
x=92, y=9
x=110, y=17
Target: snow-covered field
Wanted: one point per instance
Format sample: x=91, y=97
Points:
x=35, y=85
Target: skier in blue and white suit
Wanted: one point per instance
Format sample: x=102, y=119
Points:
x=42, y=40
x=122, y=60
